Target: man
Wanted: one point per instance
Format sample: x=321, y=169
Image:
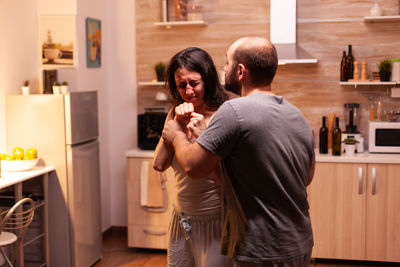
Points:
x=266, y=149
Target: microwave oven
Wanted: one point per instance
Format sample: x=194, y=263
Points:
x=150, y=126
x=384, y=137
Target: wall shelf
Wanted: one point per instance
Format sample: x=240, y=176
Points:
x=382, y=19
x=151, y=83
x=169, y=24
x=367, y=83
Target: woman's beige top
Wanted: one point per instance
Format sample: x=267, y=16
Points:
x=200, y=196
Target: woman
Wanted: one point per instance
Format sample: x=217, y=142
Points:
x=195, y=227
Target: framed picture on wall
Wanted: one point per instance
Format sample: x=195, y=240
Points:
x=93, y=43
x=57, y=38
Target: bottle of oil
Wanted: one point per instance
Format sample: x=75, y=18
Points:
x=350, y=63
x=336, y=139
x=323, y=137
x=343, y=68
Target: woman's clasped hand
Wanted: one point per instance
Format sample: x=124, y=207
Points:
x=194, y=122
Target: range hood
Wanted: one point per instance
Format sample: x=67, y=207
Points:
x=283, y=33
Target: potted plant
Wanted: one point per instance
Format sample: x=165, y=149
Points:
x=385, y=69
x=25, y=87
x=160, y=71
x=56, y=88
x=350, y=145
x=64, y=87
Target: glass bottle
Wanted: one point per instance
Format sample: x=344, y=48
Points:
x=336, y=139
x=350, y=63
x=343, y=68
x=323, y=137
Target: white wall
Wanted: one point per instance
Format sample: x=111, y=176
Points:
x=96, y=79
x=121, y=86
x=18, y=52
x=115, y=80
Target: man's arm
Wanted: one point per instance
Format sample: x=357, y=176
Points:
x=195, y=160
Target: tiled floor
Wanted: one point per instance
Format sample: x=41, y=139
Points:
x=116, y=253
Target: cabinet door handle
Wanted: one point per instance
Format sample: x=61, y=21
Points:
x=150, y=232
x=360, y=180
x=373, y=181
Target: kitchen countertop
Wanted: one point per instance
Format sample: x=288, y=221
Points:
x=365, y=157
x=11, y=178
x=139, y=153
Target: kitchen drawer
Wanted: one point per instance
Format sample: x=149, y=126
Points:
x=138, y=215
x=147, y=228
x=148, y=236
x=133, y=188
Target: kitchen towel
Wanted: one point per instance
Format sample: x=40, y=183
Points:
x=151, y=193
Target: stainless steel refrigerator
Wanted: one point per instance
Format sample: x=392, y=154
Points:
x=64, y=130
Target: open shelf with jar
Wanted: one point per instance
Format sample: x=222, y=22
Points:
x=350, y=74
x=181, y=13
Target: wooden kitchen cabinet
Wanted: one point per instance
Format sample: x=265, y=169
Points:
x=351, y=220
x=148, y=226
x=383, y=218
x=337, y=211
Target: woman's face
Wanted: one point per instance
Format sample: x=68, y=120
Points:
x=190, y=86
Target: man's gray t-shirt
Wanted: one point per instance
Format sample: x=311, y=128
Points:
x=267, y=150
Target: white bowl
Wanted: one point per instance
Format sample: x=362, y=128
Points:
x=18, y=165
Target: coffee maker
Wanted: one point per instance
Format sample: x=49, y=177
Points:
x=351, y=117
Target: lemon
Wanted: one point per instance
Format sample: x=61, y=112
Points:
x=17, y=148
x=9, y=157
x=3, y=156
x=18, y=153
x=30, y=153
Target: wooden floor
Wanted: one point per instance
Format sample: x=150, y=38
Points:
x=117, y=254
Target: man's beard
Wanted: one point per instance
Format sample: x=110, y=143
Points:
x=231, y=83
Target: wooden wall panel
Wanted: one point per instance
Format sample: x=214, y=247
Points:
x=227, y=21
x=324, y=29
x=333, y=9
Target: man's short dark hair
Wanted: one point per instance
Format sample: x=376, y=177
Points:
x=261, y=61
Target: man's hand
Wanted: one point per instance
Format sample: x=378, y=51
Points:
x=197, y=124
x=171, y=129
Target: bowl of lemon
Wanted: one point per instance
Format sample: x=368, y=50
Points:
x=20, y=160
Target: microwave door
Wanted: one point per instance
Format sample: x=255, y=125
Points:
x=387, y=137
x=384, y=137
